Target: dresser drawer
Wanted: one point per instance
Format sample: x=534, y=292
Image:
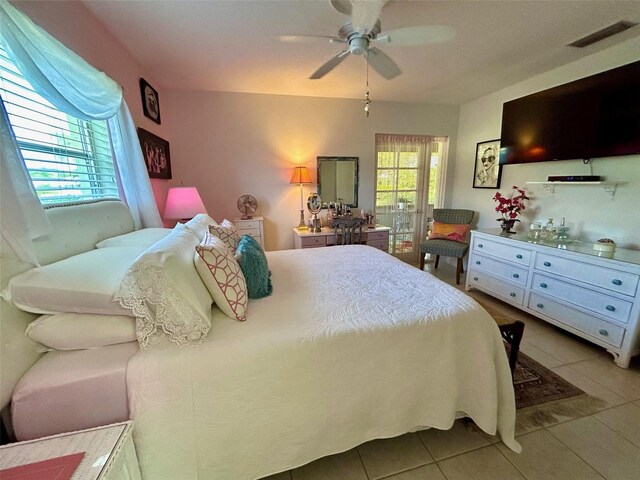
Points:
x=499, y=269
x=510, y=292
x=319, y=241
x=600, y=303
x=614, y=280
x=254, y=232
x=247, y=224
x=377, y=236
x=379, y=244
x=502, y=250
x=595, y=327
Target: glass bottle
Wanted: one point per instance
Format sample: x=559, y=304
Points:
x=550, y=230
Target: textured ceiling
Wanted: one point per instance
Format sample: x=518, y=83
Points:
x=233, y=46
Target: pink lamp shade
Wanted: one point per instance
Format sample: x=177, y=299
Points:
x=183, y=202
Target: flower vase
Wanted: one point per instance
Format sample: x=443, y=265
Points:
x=507, y=225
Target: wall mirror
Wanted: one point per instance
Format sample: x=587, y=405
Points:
x=338, y=180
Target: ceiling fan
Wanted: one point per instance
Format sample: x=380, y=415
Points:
x=365, y=30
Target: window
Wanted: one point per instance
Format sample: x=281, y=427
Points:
x=69, y=159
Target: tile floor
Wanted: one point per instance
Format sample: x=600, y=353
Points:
x=604, y=445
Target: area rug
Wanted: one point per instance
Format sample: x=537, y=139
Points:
x=542, y=397
x=534, y=384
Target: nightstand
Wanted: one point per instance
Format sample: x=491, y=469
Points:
x=109, y=452
x=252, y=226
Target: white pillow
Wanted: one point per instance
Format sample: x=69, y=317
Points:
x=200, y=224
x=227, y=232
x=83, y=283
x=222, y=276
x=79, y=331
x=140, y=238
x=164, y=292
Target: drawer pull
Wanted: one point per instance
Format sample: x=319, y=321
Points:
x=540, y=305
x=603, y=332
x=518, y=256
x=543, y=285
x=547, y=264
x=475, y=279
x=480, y=245
x=512, y=294
x=515, y=275
x=615, y=281
x=477, y=262
x=611, y=308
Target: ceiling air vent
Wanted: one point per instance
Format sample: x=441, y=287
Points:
x=602, y=34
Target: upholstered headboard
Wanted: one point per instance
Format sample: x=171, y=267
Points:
x=76, y=229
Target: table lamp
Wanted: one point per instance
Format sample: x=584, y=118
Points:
x=183, y=203
x=302, y=177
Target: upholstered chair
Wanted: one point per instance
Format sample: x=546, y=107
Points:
x=448, y=248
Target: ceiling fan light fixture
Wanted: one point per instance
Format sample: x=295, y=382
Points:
x=358, y=45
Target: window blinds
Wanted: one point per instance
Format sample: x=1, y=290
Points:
x=69, y=159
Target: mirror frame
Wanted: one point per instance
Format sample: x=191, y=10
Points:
x=356, y=160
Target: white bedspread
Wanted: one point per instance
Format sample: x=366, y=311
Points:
x=352, y=345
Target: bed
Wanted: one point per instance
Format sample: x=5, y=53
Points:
x=352, y=345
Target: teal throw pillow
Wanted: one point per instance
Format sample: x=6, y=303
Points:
x=253, y=263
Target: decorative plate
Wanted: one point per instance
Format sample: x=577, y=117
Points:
x=247, y=204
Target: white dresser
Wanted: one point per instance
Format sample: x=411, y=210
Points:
x=569, y=286
x=252, y=226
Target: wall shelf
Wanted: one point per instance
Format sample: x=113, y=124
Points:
x=609, y=187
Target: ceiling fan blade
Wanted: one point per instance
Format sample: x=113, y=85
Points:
x=365, y=14
x=419, y=35
x=382, y=63
x=330, y=65
x=309, y=38
x=342, y=6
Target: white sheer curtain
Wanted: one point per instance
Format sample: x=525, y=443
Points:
x=75, y=87
x=22, y=217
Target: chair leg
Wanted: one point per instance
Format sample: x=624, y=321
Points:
x=437, y=260
x=518, y=330
x=422, y=260
x=458, y=271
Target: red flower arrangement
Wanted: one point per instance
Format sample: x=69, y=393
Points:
x=510, y=206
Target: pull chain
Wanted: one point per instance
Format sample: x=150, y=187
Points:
x=367, y=101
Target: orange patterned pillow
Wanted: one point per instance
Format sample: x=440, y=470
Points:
x=456, y=232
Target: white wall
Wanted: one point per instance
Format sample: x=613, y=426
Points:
x=590, y=211
x=228, y=144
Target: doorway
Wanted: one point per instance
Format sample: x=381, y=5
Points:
x=410, y=177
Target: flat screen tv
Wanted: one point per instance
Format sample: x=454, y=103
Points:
x=596, y=116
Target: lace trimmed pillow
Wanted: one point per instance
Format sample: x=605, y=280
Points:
x=227, y=232
x=164, y=291
x=222, y=276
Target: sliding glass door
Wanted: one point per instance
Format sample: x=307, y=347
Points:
x=409, y=181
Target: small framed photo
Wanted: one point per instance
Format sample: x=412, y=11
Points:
x=155, y=152
x=487, y=170
x=150, y=101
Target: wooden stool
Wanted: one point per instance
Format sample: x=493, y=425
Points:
x=511, y=331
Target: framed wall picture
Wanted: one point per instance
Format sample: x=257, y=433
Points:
x=150, y=101
x=487, y=170
x=155, y=152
